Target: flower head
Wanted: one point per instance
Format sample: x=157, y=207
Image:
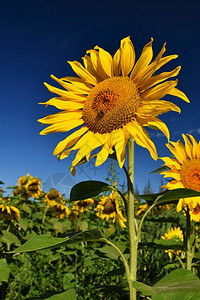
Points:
x=184, y=168
x=8, y=211
x=142, y=208
x=174, y=234
x=28, y=186
x=54, y=197
x=112, y=99
x=60, y=211
x=109, y=208
x=83, y=205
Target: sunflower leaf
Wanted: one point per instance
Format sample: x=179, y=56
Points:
x=171, y=196
x=88, y=189
x=179, y=284
x=40, y=242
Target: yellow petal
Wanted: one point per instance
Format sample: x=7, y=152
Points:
x=102, y=155
x=195, y=146
x=159, y=91
x=141, y=137
x=106, y=61
x=62, y=126
x=120, y=147
x=174, y=184
x=176, y=92
x=149, y=109
x=188, y=146
x=156, y=123
x=79, y=82
x=61, y=117
x=171, y=174
x=143, y=61
x=171, y=162
x=178, y=151
x=159, y=78
x=69, y=141
x=66, y=105
x=127, y=56
x=65, y=94
x=82, y=72
x=82, y=89
x=94, y=55
x=116, y=63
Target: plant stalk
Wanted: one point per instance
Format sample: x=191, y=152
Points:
x=133, y=240
x=189, y=255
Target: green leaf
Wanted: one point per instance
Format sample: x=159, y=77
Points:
x=40, y=242
x=159, y=169
x=111, y=252
x=169, y=244
x=179, y=282
x=4, y=270
x=67, y=295
x=9, y=238
x=169, y=196
x=88, y=189
x=163, y=219
x=1, y=182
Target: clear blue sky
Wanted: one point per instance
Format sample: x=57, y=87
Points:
x=37, y=39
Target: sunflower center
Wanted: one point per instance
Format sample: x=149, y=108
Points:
x=190, y=174
x=110, y=105
x=196, y=210
x=108, y=208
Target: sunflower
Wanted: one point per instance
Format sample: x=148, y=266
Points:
x=60, y=211
x=109, y=208
x=112, y=99
x=54, y=197
x=184, y=168
x=141, y=209
x=33, y=188
x=174, y=234
x=83, y=205
x=8, y=211
x=28, y=186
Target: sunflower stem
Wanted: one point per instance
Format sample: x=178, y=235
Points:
x=189, y=255
x=133, y=240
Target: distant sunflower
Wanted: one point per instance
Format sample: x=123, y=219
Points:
x=185, y=171
x=60, y=211
x=141, y=209
x=174, y=234
x=54, y=197
x=82, y=205
x=112, y=99
x=8, y=211
x=33, y=188
x=108, y=208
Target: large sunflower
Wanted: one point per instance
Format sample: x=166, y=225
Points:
x=112, y=99
x=184, y=168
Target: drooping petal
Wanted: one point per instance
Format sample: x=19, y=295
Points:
x=73, y=88
x=70, y=140
x=149, y=109
x=155, y=122
x=176, y=92
x=188, y=146
x=171, y=162
x=141, y=137
x=194, y=148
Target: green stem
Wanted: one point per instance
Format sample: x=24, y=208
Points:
x=122, y=257
x=189, y=255
x=131, y=219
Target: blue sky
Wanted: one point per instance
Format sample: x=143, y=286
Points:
x=37, y=39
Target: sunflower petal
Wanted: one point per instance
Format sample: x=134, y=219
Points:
x=116, y=63
x=127, y=56
x=62, y=126
x=82, y=72
x=69, y=141
x=188, y=146
x=106, y=61
x=176, y=92
x=141, y=137
x=178, y=150
x=143, y=61
x=61, y=117
x=154, y=108
x=159, y=91
x=66, y=105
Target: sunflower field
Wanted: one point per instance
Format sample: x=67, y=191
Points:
x=81, y=269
